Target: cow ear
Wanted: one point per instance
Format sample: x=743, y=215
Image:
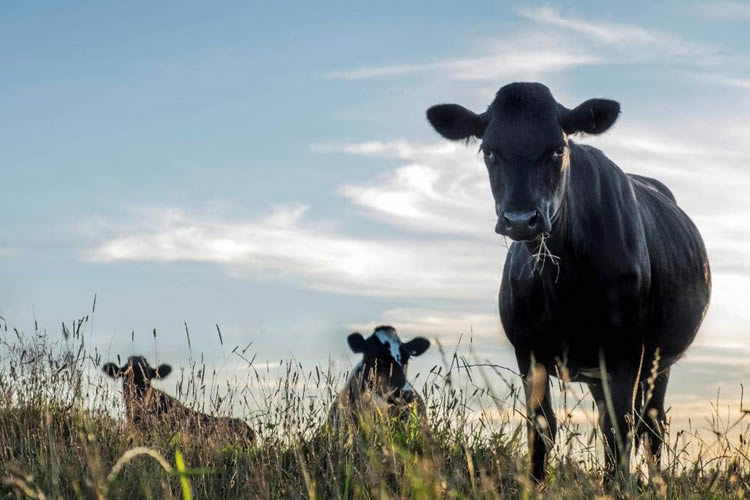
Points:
x=591, y=117
x=417, y=346
x=163, y=370
x=356, y=342
x=455, y=122
x=112, y=370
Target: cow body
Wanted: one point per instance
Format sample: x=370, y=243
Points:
x=608, y=279
x=632, y=272
x=148, y=408
x=354, y=399
x=378, y=382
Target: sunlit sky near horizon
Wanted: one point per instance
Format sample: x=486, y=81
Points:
x=269, y=168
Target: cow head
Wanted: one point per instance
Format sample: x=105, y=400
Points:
x=137, y=372
x=385, y=358
x=524, y=140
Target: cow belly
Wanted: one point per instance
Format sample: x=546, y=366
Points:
x=681, y=278
x=564, y=315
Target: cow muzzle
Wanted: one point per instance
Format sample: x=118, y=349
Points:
x=522, y=225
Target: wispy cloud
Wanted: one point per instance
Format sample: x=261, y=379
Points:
x=442, y=187
x=399, y=148
x=503, y=64
x=726, y=80
x=610, y=33
x=526, y=55
x=285, y=245
x=626, y=37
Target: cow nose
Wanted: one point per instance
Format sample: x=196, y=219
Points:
x=522, y=221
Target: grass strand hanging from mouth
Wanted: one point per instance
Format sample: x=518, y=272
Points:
x=539, y=257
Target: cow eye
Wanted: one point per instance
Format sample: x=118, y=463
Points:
x=558, y=152
x=489, y=156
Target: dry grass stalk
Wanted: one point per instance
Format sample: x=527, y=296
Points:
x=62, y=424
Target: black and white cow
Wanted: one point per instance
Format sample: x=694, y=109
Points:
x=148, y=407
x=627, y=280
x=380, y=377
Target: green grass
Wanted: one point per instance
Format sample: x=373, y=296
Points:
x=62, y=436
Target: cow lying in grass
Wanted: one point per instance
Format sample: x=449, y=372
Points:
x=148, y=407
x=378, y=382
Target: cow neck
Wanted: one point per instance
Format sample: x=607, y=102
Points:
x=558, y=240
x=583, y=191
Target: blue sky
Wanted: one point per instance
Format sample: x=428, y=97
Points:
x=269, y=168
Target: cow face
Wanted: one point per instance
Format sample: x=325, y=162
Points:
x=385, y=358
x=137, y=372
x=524, y=141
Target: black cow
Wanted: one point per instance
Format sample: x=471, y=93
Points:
x=149, y=408
x=605, y=269
x=380, y=378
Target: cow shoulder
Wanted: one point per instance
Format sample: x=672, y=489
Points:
x=608, y=228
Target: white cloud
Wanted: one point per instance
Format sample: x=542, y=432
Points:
x=442, y=188
x=509, y=62
x=638, y=42
x=527, y=55
x=727, y=81
x=287, y=245
x=401, y=149
x=606, y=32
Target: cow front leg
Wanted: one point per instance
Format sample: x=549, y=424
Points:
x=541, y=422
x=617, y=420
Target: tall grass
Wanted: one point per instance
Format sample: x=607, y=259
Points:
x=62, y=435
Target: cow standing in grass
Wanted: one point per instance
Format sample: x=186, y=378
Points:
x=378, y=382
x=151, y=408
x=607, y=280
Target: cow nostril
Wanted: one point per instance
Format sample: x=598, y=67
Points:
x=508, y=222
x=533, y=220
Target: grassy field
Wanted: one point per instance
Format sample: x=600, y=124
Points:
x=62, y=435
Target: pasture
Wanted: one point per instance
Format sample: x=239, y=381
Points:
x=300, y=174
x=63, y=435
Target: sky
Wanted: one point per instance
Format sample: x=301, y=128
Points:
x=268, y=168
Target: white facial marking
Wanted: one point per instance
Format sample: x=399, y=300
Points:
x=387, y=337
